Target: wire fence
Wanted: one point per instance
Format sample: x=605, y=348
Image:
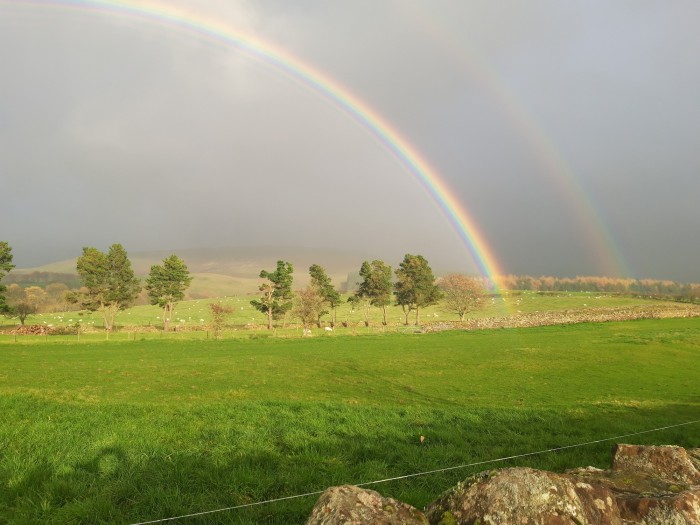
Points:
x=424, y=473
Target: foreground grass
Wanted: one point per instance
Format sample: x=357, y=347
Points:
x=123, y=432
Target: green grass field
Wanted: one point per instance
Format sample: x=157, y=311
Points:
x=196, y=314
x=130, y=431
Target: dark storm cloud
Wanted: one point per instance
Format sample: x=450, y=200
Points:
x=118, y=130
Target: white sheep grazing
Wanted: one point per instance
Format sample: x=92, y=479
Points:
x=328, y=328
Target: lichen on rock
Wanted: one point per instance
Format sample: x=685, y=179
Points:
x=352, y=505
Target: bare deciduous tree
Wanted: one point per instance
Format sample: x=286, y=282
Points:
x=462, y=294
x=219, y=312
x=308, y=303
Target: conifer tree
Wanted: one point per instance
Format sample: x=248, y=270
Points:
x=376, y=285
x=322, y=283
x=5, y=266
x=109, y=280
x=415, y=287
x=276, y=299
x=166, y=285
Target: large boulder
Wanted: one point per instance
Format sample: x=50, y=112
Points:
x=669, y=463
x=652, y=485
x=524, y=496
x=350, y=505
x=645, y=486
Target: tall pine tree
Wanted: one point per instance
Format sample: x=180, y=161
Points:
x=276, y=299
x=415, y=286
x=166, y=285
x=5, y=266
x=110, y=281
x=376, y=285
x=325, y=288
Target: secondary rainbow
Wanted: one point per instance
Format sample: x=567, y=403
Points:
x=207, y=28
x=599, y=243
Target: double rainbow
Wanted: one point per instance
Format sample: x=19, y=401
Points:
x=207, y=28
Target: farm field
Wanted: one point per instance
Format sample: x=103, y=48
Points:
x=130, y=431
x=196, y=315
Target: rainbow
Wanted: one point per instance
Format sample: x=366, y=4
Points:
x=203, y=27
x=597, y=237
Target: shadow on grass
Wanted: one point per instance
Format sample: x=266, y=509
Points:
x=294, y=449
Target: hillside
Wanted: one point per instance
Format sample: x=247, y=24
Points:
x=231, y=271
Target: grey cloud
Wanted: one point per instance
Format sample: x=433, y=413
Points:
x=117, y=130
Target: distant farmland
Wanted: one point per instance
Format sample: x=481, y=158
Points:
x=196, y=315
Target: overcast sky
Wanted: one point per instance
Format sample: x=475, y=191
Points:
x=568, y=131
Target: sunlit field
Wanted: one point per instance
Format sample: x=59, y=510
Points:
x=194, y=317
x=282, y=154
x=125, y=431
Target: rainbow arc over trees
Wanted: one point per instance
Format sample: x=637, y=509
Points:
x=593, y=230
x=201, y=26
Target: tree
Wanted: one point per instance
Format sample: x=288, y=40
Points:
x=415, y=287
x=462, y=294
x=17, y=304
x=22, y=310
x=358, y=302
x=166, y=285
x=376, y=285
x=56, y=293
x=308, y=303
x=5, y=266
x=276, y=299
x=25, y=302
x=321, y=281
x=109, y=281
x=14, y=294
x=218, y=317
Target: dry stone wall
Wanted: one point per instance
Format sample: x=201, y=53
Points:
x=582, y=315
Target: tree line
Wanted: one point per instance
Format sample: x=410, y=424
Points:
x=602, y=284
x=415, y=288
x=109, y=286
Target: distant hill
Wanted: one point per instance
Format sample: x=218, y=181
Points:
x=205, y=285
x=227, y=271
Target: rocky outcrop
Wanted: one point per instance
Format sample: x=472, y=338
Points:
x=646, y=485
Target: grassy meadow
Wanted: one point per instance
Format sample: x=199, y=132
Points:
x=127, y=431
x=245, y=321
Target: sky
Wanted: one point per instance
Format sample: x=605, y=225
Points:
x=568, y=133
